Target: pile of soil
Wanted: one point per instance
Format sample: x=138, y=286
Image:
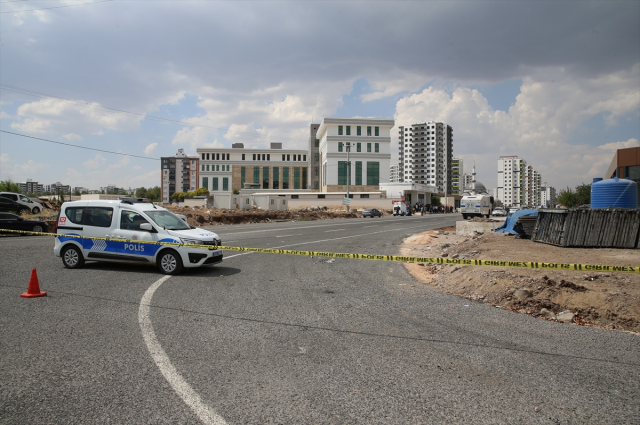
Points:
x=199, y=216
x=606, y=300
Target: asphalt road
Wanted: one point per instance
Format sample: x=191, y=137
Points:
x=271, y=339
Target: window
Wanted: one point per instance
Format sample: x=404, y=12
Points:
x=317, y=156
x=217, y=157
x=304, y=177
x=321, y=196
x=294, y=196
x=368, y=147
x=317, y=143
x=208, y=156
x=373, y=173
x=98, y=216
x=294, y=157
x=348, y=130
x=358, y=172
x=268, y=157
x=74, y=215
x=288, y=157
x=130, y=220
x=225, y=183
x=358, y=131
x=377, y=147
x=218, y=167
x=202, y=165
x=377, y=131
x=283, y=157
x=296, y=178
x=203, y=157
x=315, y=171
x=243, y=176
x=228, y=157
x=256, y=175
x=243, y=157
x=316, y=185
x=368, y=131
x=205, y=182
x=254, y=156
x=214, y=183
x=264, y=157
x=265, y=177
x=339, y=146
x=285, y=177
x=358, y=147
x=276, y=177
x=339, y=130
x=342, y=172
x=207, y=167
x=304, y=158
x=366, y=195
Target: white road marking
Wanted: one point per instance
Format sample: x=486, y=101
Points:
x=206, y=414
x=336, y=230
x=288, y=236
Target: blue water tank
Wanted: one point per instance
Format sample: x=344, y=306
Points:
x=615, y=192
x=597, y=179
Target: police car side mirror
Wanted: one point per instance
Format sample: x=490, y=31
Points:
x=148, y=227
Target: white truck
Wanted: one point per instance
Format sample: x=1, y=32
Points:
x=399, y=208
x=475, y=204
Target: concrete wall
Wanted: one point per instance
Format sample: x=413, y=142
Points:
x=467, y=228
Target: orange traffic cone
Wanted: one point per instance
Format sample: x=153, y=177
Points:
x=34, y=287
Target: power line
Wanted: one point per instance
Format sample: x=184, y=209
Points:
x=82, y=147
x=143, y=116
x=57, y=7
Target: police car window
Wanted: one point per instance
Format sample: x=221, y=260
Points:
x=167, y=220
x=25, y=199
x=75, y=215
x=130, y=220
x=98, y=216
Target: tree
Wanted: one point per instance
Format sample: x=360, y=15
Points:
x=236, y=192
x=154, y=194
x=76, y=192
x=567, y=197
x=179, y=196
x=9, y=186
x=583, y=194
x=435, y=200
x=141, y=192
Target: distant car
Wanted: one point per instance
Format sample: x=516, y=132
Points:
x=29, y=204
x=513, y=209
x=9, y=205
x=15, y=222
x=499, y=211
x=371, y=212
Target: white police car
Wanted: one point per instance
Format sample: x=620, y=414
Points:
x=131, y=219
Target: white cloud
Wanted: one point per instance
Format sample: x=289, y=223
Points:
x=549, y=110
x=73, y=137
x=398, y=82
x=150, y=149
x=614, y=146
x=95, y=162
x=19, y=172
x=55, y=116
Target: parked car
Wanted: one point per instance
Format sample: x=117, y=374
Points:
x=125, y=223
x=371, y=212
x=9, y=205
x=513, y=209
x=15, y=222
x=32, y=206
x=499, y=211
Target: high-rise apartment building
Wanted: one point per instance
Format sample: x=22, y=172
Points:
x=179, y=174
x=518, y=183
x=457, y=176
x=548, y=196
x=467, y=179
x=394, y=173
x=31, y=187
x=368, y=141
x=425, y=154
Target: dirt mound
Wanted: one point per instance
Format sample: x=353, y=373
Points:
x=606, y=300
x=198, y=216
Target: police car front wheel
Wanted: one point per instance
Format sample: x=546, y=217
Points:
x=170, y=262
x=72, y=257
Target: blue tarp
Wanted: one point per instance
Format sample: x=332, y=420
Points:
x=510, y=226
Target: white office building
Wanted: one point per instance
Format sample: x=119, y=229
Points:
x=366, y=142
x=425, y=154
x=548, y=196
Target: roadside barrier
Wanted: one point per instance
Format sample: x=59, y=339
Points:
x=394, y=258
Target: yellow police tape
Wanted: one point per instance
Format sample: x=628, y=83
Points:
x=401, y=259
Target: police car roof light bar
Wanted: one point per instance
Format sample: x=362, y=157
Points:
x=129, y=200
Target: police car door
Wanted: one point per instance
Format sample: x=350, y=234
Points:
x=129, y=229
x=97, y=223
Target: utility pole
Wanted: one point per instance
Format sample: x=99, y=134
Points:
x=348, y=146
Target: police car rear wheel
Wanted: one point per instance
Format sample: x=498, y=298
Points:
x=72, y=258
x=170, y=262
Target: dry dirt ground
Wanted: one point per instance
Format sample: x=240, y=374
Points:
x=198, y=216
x=606, y=300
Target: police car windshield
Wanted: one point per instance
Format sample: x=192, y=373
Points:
x=167, y=220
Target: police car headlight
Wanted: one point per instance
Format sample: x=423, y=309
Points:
x=191, y=241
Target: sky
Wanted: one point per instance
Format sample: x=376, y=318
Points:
x=554, y=82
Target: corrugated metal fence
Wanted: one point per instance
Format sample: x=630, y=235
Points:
x=596, y=228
